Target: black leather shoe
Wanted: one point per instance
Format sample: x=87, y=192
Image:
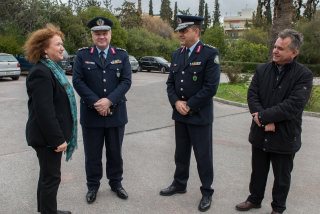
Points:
x=121, y=192
x=247, y=205
x=63, y=212
x=205, y=203
x=91, y=196
x=171, y=190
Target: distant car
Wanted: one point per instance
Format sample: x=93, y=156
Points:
x=25, y=65
x=9, y=66
x=65, y=63
x=134, y=64
x=71, y=58
x=154, y=63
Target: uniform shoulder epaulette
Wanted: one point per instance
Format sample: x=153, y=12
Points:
x=83, y=48
x=121, y=49
x=209, y=46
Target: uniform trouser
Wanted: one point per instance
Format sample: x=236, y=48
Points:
x=93, y=140
x=200, y=138
x=282, y=165
x=49, y=179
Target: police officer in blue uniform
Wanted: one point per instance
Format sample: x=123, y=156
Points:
x=192, y=83
x=102, y=77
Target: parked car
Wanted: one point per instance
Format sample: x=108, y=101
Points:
x=154, y=63
x=25, y=65
x=134, y=64
x=9, y=66
x=65, y=63
x=71, y=58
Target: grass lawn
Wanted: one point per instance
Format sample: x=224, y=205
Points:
x=238, y=93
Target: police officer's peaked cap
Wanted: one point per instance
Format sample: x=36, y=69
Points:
x=185, y=21
x=100, y=23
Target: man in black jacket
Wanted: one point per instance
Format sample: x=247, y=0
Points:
x=277, y=96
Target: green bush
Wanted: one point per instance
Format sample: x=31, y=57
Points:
x=9, y=44
x=315, y=69
x=246, y=67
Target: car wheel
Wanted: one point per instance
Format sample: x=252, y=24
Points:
x=163, y=70
x=15, y=78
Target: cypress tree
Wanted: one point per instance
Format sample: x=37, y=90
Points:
x=201, y=7
x=165, y=11
x=206, y=21
x=216, y=13
x=150, y=8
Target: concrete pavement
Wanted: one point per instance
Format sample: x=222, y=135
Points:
x=148, y=160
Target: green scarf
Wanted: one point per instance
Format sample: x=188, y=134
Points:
x=62, y=79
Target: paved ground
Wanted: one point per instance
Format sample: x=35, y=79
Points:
x=148, y=160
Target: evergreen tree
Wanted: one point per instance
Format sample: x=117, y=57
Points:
x=150, y=8
x=216, y=13
x=185, y=12
x=206, y=21
x=165, y=11
x=129, y=16
x=257, y=19
x=139, y=7
x=175, y=13
x=267, y=12
x=201, y=8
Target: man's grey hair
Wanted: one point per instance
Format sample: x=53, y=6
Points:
x=296, y=38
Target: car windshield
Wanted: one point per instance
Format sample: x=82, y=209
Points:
x=131, y=58
x=160, y=59
x=7, y=58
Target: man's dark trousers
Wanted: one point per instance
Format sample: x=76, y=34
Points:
x=94, y=138
x=200, y=138
x=282, y=165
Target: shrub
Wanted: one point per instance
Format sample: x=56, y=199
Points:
x=234, y=74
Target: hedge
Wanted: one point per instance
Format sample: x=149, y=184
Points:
x=249, y=67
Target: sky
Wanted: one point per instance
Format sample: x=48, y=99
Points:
x=227, y=7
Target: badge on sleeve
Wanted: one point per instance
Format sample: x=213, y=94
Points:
x=216, y=60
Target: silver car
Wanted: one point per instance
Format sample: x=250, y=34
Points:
x=9, y=66
x=134, y=64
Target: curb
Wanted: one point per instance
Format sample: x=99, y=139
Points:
x=228, y=102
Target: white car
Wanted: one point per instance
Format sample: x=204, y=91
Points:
x=134, y=64
x=9, y=66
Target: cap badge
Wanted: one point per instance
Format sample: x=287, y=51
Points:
x=179, y=21
x=100, y=22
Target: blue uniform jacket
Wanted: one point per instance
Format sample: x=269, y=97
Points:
x=196, y=82
x=92, y=81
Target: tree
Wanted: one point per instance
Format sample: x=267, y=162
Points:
x=157, y=26
x=298, y=4
x=175, y=13
x=310, y=9
x=267, y=12
x=201, y=8
x=93, y=3
x=139, y=7
x=309, y=53
x=165, y=11
x=215, y=36
x=216, y=13
x=150, y=8
x=185, y=12
x=257, y=19
x=206, y=17
x=108, y=5
x=282, y=19
x=129, y=16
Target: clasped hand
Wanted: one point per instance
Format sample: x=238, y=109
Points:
x=270, y=127
x=103, y=106
x=182, y=107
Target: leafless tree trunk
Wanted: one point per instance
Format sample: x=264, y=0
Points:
x=282, y=19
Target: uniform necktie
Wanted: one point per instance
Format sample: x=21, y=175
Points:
x=102, y=58
x=186, y=55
